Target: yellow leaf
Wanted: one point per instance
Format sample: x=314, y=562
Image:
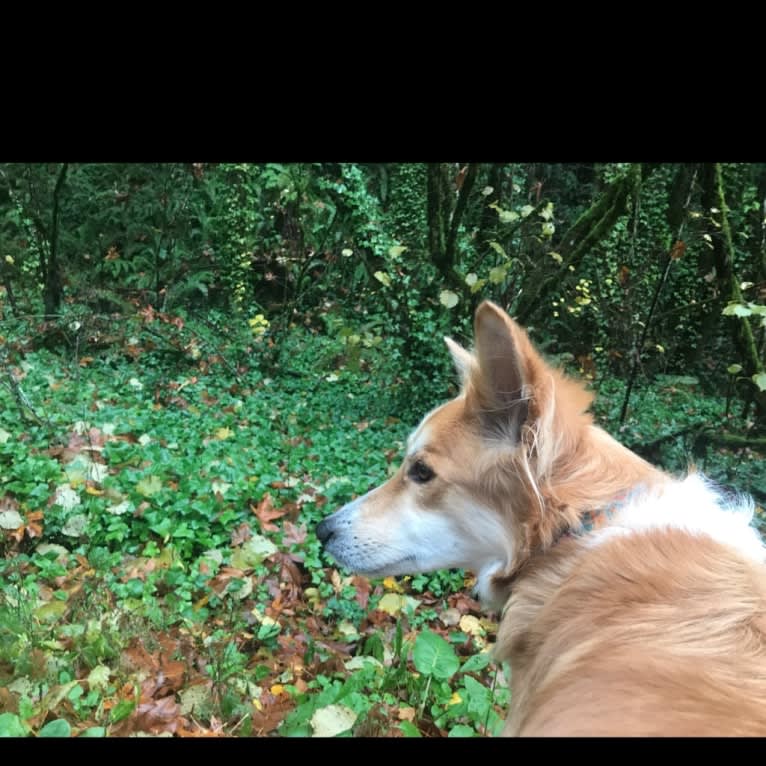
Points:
x=51, y=611
x=471, y=625
x=149, y=486
x=94, y=491
x=257, y=704
x=498, y=248
x=393, y=603
x=390, y=583
x=224, y=433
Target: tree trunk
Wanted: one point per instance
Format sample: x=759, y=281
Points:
x=589, y=229
x=439, y=210
x=9, y=292
x=444, y=220
x=52, y=274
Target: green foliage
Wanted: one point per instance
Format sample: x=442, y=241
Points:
x=241, y=349
x=433, y=656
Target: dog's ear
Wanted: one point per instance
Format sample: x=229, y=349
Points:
x=464, y=361
x=499, y=383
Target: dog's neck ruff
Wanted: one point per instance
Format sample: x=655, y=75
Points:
x=590, y=521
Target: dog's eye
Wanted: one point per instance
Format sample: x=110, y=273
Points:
x=420, y=472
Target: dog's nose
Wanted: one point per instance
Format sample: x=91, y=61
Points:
x=324, y=531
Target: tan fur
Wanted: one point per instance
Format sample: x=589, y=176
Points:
x=660, y=632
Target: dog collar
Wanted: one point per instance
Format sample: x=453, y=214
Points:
x=600, y=517
x=590, y=521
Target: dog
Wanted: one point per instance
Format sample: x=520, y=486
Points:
x=633, y=602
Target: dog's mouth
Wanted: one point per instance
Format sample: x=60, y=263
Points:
x=402, y=566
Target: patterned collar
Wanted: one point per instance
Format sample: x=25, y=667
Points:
x=600, y=517
x=589, y=522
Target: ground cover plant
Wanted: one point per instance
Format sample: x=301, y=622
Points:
x=198, y=364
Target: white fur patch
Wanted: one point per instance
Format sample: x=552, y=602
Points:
x=693, y=505
x=418, y=439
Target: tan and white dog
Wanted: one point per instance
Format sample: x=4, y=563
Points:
x=633, y=603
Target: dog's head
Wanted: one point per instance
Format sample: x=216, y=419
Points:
x=468, y=493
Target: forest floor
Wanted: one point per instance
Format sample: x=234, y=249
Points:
x=160, y=574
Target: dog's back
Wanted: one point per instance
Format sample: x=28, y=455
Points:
x=661, y=633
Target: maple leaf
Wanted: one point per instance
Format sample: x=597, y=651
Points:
x=266, y=513
x=159, y=715
x=294, y=535
x=241, y=534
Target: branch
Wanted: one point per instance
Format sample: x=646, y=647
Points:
x=22, y=402
x=735, y=294
x=457, y=216
x=655, y=298
x=589, y=229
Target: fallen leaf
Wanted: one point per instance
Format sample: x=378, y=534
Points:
x=394, y=603
x=360, y=661
x=252, y=552
x=471, y=625
x=363, y=587
x=75, y=525
x=148, y=486
x=156, y=716
x=51, y=611
x=294, y=535
x=450, y=616
x=241, y=534
x=10, y=520
x=332, y=720
x=390, y=583
x=66, y=497
x=194, y=698
x=98, y=678
x=265, y=514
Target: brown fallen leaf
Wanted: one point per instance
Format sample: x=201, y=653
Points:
x=266, y=514
x=294, y=535
x=241, y=534
x=273, y=711
x=362, y=587
x=156, y=716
